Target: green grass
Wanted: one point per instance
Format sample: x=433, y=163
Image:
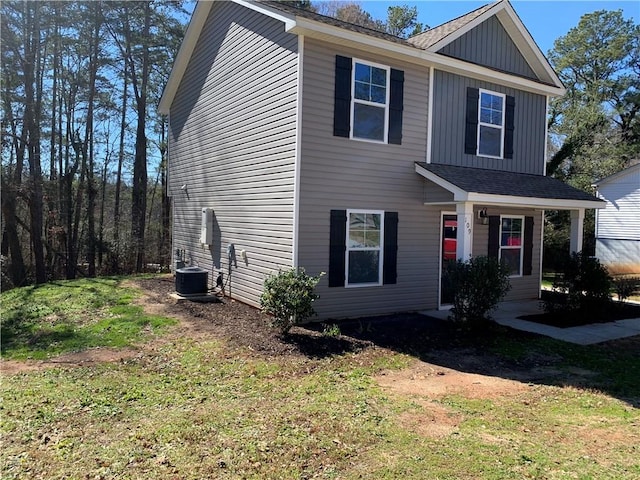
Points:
x=42, y=321
x=193, y=409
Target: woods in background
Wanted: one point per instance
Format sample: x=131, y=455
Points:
x=80, y=134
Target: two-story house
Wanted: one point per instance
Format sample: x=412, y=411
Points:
x=298, y=140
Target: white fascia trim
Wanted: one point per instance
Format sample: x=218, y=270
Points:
x=460, y=195
x=457, y=191
x=298, y=157
x=340, y=36
x=525, y=42
x=616, y=175
x=288, y=20
x=517, y=31
x=430, y=117
x=196, y=24
x=198, y=19
x=453, y=36
x=532, y=202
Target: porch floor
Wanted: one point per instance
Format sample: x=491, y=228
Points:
x=507, y=314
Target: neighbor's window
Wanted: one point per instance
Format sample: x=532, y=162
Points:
x=370, y=101
x=511, y=244
x=364, y=247
x=491, y=124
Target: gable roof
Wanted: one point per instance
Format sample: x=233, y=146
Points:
x=435, y=35
x=622, y=173
x=421, y=49
x=496, y=186
x=437, y=38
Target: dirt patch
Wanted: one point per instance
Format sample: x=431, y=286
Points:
x=75, y=359
x=432, y=381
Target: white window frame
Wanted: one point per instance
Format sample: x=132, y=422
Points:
x=491, y=125
x=379, y=249
x=507, y=247
x=354, y=100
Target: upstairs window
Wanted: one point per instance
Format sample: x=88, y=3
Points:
x=370, y=102
x=490, y=124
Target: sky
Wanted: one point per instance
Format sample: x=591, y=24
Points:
x=545, y=20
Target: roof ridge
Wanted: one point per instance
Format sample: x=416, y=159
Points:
x=289, y=8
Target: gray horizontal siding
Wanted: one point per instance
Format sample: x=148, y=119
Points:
x=339, y=173
x=490, y=45
x=232, y=142
x=449, y=108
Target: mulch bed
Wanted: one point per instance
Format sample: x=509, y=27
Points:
x=247, y=327
x=574, y=318
x=422, y=337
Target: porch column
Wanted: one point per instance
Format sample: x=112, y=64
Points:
x=577, y=228
x=464, y=235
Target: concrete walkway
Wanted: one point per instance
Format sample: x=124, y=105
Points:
x=507, y=314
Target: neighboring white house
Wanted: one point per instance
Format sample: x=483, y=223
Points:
x=618, y=225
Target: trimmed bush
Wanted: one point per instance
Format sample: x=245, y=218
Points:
x=478, y=284
x=288, y=297
x=586, y=283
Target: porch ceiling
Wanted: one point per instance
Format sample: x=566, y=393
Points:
x=496, y=187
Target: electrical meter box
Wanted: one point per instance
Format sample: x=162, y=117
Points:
x=206, y=228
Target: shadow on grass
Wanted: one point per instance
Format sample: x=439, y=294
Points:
x=611, y=367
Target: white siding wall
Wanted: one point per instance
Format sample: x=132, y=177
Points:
x=232, y=143
x=620, y=218
x=618, y=224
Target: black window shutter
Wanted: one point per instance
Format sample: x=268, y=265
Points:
x=527, y=253
x=471, y=126
x=396, y=102
x=494, y=236
x=342, y=97
x=337, y=247
x=509, y=126
x=389, y=268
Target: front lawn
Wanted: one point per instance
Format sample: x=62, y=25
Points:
x=220, y=396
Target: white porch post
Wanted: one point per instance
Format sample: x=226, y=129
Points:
x=577, y=228
x=464, y=235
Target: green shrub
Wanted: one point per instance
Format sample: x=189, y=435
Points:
x=478, y=284
x=586, y=284
x=626, y=286
x=288, y=297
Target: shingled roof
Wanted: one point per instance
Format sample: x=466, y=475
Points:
x=287, y=7
x=498, y=182
x=431, y=37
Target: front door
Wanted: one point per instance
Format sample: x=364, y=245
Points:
x=448, y=248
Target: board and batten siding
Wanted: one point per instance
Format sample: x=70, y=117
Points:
x=618, y=224
x=340, y=173
x=449, y=111
x=233, y=145
x=490, y=45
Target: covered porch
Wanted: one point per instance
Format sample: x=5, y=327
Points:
x=472, y=192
